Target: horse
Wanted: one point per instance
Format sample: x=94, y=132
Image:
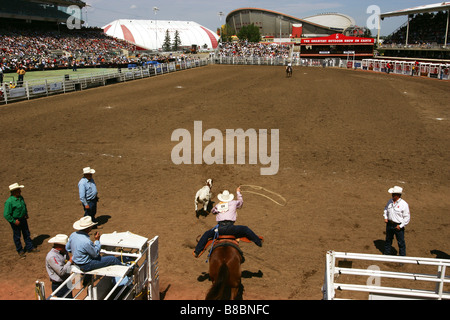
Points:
x=225, y=271
x=203, y=196
x=288, y=71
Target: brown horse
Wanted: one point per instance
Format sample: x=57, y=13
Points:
x=225, y=271
x=288, y=71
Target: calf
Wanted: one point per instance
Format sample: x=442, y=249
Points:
x=203, y=196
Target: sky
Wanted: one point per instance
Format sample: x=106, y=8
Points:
x=206, y=12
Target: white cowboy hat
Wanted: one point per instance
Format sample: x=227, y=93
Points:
x=15, y=186
x=225, y=196
x=396, y=189
x=84, y=223
x=59, y=239
x=88, y=170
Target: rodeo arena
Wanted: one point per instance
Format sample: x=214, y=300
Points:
x=357, y=113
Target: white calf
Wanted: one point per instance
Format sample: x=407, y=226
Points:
x=203, y=196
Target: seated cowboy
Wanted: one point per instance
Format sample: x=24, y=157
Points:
x=85, y=253
x=226, y=216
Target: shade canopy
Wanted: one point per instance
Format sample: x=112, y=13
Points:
x=150, y=34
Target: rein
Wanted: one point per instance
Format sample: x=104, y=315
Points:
x=216, y=235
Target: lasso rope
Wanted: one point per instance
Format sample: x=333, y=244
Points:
x=283, y=203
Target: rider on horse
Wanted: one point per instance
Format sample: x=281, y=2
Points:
x=226, y=216
x=289, y=68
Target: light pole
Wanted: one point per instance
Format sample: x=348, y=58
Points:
x=220, y=15
x=281, y=18
x=155, y=10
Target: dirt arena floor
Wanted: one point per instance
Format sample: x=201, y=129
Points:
x=345, y=138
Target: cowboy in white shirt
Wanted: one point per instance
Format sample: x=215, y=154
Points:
x=397, y=216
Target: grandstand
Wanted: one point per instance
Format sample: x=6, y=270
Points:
x=425, y=34
x=274, y=24
x=327, y=35
x=34, y=11
x=35, y=34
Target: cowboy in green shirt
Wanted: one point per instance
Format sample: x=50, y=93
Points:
x=15, y=212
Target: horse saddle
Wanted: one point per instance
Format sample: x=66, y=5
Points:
x=226, y=240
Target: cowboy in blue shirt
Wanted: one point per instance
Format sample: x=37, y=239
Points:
x=85, y=253
x=87, y=190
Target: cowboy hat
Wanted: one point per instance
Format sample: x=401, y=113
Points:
x=84, y=223
x=59, y=239
x=225, y=196
x=88, y=170
x=15, y=186
x=396, y=189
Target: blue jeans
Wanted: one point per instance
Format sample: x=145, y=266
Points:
x=399, y=234
x=230, y=229
x=92, y=211
x=22, y=229
x=100, y=262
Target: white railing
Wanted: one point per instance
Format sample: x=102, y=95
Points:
x=62, y=84
x=279, y=61
x=408, y=67
x=425, y=69
x=137, y=278
x=362, y=273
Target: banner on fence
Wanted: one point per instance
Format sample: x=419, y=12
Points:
x=41, y=88
x=55, y=86
x=17, y=92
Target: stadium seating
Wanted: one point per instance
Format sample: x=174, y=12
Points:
x=426, y=30
x=246, y=49
x=52, y=49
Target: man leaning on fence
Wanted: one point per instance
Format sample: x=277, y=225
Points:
x=85, y=253
x=58, y=264
x=21, y=73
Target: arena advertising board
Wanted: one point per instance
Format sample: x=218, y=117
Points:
x=337, y=39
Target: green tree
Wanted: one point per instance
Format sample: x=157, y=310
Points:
x=250, y=33
x=227, y=32
x=166, y=43
x=176, y=41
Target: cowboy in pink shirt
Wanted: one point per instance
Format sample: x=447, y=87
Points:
x=226, y=210
x=226, y=213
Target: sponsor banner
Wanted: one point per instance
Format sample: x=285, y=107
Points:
x=337, y=39
x=38, y=89
x=55, y=86
x=17, y=92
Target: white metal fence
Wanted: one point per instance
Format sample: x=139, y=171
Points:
x=135, y=280
x=357, y=272
x=422, y=69
x=57, y=85
x=279, y=61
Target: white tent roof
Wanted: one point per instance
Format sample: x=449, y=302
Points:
x=332, y=20
x=150, y=34
x=441, y=6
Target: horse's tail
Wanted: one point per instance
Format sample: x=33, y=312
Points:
x=220, y=289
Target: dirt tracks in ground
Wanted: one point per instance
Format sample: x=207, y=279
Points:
x=345, y=137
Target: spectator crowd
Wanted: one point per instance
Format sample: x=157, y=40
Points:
x=426, y=30
x=246, y=49
x=50, y=49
